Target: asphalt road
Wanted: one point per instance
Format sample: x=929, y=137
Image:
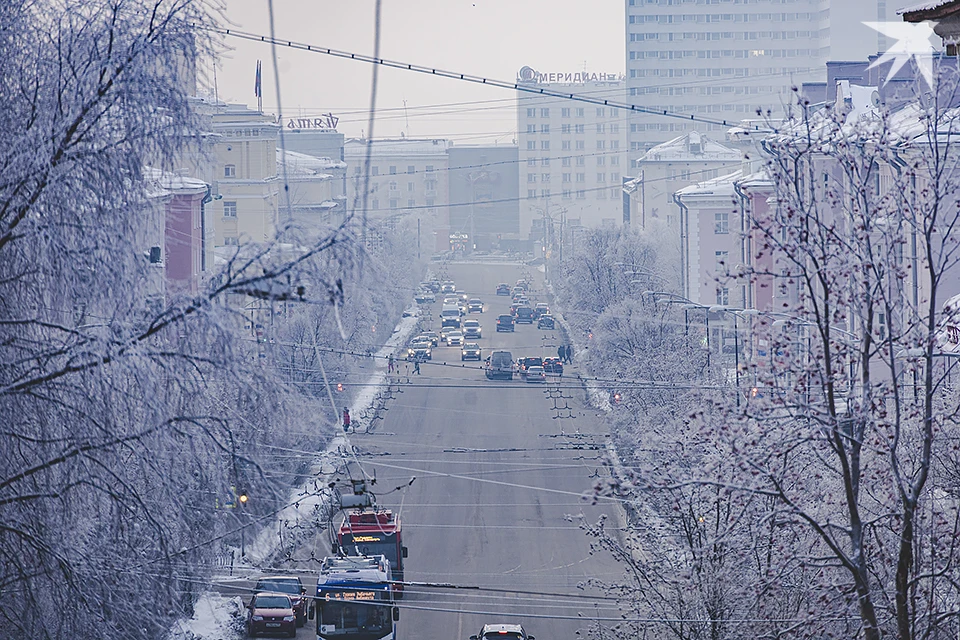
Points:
x=500, y=479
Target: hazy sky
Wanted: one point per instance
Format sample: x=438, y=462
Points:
x=490, y=38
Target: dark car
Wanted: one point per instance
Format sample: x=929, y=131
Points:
x=474, y=304
x=500, y=365
x=505, y=323
x=271, y=612
x=525, y=315
x=546, y=322
x=502, y=632
x=523, y=364
x=503, y=289
x=470, y=351
x=290, y=585
x=553, y=365
x=542, y=309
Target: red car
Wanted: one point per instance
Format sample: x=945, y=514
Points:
x=270, y=612
x=290, y=585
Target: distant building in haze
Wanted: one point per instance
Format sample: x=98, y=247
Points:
x=484, y=194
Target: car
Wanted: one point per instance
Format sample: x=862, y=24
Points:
x=546, y=322
x=505, y=323
x=502, y=632
x=425, y=297
x=524, y=364
x=472, y=329
x=499, y=364
x=444, y=331
x=513, y=308
x=455, y=339
x=435, y=286
x=474, y=304
x=516, y=297
x=433, y=336
x=470, y=351
x=451, y=300
x=448, y=287
x=523, y=284
x=524, y=315
x=271, y=612
x=420, y=349
x=503, y=289
x=518, y=291
x=553, y=365
x=542, y=309
x=535, y=374
x=524, y=301
x=290, y=585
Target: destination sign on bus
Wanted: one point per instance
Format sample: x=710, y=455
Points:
x=351, y=595
x=367, y=538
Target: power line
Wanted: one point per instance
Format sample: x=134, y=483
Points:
x=533, y=89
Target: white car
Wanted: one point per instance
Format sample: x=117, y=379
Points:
x=455, y=339
x=472, y=329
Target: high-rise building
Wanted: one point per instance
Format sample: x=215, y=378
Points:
x=484, y=194
x=719, y=60
x=572, y=154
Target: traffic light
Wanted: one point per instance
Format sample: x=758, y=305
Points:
x=243, y=497
x=339, y=386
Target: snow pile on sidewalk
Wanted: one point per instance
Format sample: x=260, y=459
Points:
x=215, y=617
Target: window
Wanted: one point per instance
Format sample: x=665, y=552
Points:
x=580, y=112
x=601, y=128
x=601, y=144
x=411, y=168
x=531, y=193
x=565, y=112
x=374, y=204
x=601, y=161
x=544, y=128
x=721, y=222
x=581, y=145
x=565, y=145
x=581, y=194
x=615, y=161
x=429, y=168
x=723, y=296
x=430, y=202
x=394, y=203
x=156, y=255
x=531, y=113
x=229, y=171
x=566, y=177
x=231, y=241
x=531, y=145
x=601, y=112
x=721, y=261
x=545, y=177
x=393, y=169
x=565, y=161
x=374, y=171
x=410, y=187
x=531, y=128
x=357, y=170
x=581, y=177
x=614, y=144
x=531, y=162
x=566, y=194
x=580, y=128
x=581, y=161
x=601, y=177
x=531, y=177
x=564, y=128
x=229, y=209
x=544, y=113
x=614, y=177
x=544, y=193
x=545, y=162
x=411, y=202
x=545, y=145
x=614, y=127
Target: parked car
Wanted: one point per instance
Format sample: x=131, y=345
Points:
x=546, y=322
x=503, y=289
x=290, y=585
x=271, y=612
x=505, y=323
x=470, y=351
x=535, y=374
x=553, y=366
x=474, y=304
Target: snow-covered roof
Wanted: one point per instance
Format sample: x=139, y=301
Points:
x=692, y=146
x=719, y=186
x=398, y=147
x=162, y=183
x=929, y=5
x=313, y=163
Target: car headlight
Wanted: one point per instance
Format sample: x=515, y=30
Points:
x=257, y=618
x=288, y=618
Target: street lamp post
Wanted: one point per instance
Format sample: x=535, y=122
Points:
x=242, y=499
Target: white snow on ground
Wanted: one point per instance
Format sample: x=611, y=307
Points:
x=304, y=499
x=215, y=617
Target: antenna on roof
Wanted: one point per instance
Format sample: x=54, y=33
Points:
x=406, y=117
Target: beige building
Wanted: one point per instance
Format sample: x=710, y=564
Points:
x=315, y=205
x=244, y=176
x=572, y=154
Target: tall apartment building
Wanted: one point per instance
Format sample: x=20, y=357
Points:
x=720, y=60
x=572, y=155
x=484, y=194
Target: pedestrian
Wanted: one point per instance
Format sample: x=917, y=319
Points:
x=569, y=354
x=390, y=364
x=562, y=353
x=416, y=367
x=346, y=419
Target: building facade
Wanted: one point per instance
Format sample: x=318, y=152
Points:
x=720, y=60
x=244, y=176
x=484, y=194
x=318, y=137
x=407, y=177
x=572, y=154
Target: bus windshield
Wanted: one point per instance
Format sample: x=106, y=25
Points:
x=373, y=545
x=336, y=617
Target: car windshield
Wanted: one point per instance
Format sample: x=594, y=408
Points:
x=502, y=636
x=283, y=585
x=273, y=602
x=471, y=345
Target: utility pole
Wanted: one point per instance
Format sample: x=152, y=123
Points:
x=418, y=238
